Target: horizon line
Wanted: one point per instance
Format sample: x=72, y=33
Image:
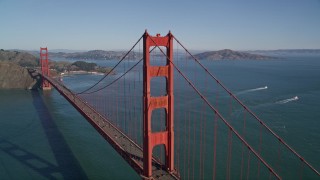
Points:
x=81, y=50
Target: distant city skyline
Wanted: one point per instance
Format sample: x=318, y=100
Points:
x=200, y=25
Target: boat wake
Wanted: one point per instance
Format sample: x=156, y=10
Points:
x=287, y=100
x=253, y=90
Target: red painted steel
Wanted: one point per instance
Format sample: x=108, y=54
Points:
x=44, y=63
x=130, y=151
x=166, y=137
x=142, y=159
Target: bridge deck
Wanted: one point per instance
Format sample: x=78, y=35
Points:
x=128, y=149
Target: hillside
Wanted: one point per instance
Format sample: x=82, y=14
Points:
x=13, y=76
x=228, y=54
x=95, y=54
x=13, y=73
x=23, y=59
x=67, y=67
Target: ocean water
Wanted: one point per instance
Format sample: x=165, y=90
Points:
x=42, y=136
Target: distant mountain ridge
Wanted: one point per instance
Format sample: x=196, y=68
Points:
x=96, y=54
x=211, y=55
x=283, y=52
x=228, y=54
x=290, y=50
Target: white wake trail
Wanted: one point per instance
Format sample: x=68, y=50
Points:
x=252, y=90
x=257, y=89
x=288, y=100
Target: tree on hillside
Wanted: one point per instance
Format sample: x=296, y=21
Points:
x=85, y=66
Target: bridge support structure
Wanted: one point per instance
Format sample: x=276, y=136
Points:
x=150, y=103
x=44, y=63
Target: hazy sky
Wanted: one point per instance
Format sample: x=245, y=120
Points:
x=199, y=24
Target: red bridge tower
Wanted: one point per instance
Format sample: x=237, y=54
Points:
x=44, y=63
x=166, y=137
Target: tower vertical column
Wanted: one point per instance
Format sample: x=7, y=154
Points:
x=44, y=63
x=150, y=103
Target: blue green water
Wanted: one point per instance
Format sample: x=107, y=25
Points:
x=42, y=136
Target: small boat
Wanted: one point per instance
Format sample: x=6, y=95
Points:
x=295, y=98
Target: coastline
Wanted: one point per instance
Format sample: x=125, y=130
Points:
x=80, y=73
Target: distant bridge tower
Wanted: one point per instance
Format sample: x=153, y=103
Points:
x=44, y=63
x=166, y=137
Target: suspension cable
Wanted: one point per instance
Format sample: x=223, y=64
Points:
x=218, y=113
x=248, y=110
x=117, y=78
x=114, y=80
x=82, y=92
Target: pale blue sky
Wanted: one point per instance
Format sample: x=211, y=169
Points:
x=199, y=24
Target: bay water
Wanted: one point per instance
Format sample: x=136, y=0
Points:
x=43, y=137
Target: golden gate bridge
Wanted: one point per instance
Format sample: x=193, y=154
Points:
x=169, y=117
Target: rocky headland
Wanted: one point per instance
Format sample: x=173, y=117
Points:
x=14, y=73
x=13, y=76
x=17, y=69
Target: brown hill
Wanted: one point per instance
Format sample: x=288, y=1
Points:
x=228, y=54
x=13, y=71
x=13, y=76
x=96, y=54
x=21, y=58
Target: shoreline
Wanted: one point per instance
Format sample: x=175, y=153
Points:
x=80, y=73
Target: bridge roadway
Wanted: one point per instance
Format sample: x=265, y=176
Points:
x=129, y=150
